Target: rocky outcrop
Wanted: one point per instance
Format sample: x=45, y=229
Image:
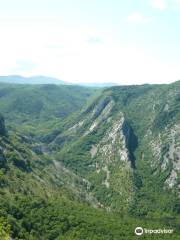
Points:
x=116, y=147
x=173, y=156
x=100, y=114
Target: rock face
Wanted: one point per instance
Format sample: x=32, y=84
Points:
x=2, y=125
x=108, y=142
x=126, y=143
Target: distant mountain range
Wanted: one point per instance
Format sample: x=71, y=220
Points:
x=31, y=80
x=47, y=80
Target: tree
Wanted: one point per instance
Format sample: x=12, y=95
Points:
x=4, y=230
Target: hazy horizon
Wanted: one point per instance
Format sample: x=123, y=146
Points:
x=130, y=42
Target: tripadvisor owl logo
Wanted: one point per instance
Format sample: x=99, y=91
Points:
x=138, y=231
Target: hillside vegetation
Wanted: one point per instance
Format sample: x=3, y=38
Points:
x=79, y=163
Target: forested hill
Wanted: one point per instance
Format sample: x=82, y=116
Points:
x=39, y=106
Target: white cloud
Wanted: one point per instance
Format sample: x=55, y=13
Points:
x=137, y=17
x=74, y=59
x=177, y=3
x=160, y=4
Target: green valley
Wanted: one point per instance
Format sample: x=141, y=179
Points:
x=80, y=163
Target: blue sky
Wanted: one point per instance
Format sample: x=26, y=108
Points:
x=127, y=42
